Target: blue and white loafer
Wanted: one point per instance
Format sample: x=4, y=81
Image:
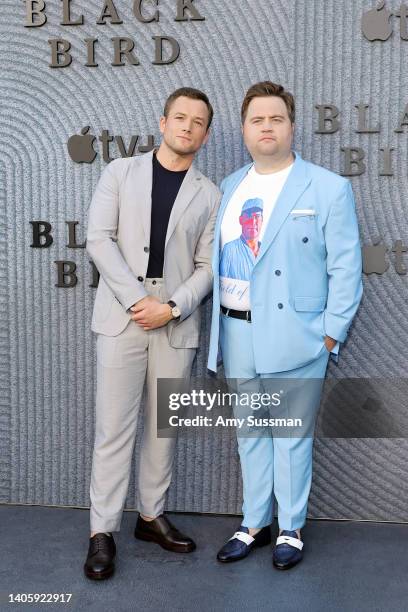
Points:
x=240, y=545
x=288, y=550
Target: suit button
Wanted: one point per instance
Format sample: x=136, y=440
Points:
x=280, y=306
x=146, y=249
x=140, y=279
x=278, y=272
x=305, y=239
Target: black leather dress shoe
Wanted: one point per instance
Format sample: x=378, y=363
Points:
x=240, y=545
x=161, y=531
x=99, y=563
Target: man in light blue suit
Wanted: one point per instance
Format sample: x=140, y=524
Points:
x=295, y=310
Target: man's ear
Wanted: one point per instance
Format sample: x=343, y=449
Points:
x=206, y=137
x=162, y=124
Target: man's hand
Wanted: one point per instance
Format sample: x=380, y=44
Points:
x=330, y=343
x=150, y=313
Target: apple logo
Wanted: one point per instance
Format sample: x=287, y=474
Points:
x=376, y=23
x=80, y=147
x=374, y=261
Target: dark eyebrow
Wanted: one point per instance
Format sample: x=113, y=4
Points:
x=263, y=116
x=184, y=115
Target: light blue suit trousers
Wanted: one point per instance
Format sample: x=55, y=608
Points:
x=271, y=464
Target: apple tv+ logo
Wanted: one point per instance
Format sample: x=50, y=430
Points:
x=376, y=23
x=81, y=146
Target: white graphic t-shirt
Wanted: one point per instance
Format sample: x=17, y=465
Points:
x=242, y=229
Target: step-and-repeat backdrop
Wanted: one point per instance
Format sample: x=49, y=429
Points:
x=83, y=83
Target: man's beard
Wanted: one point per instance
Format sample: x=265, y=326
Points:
x=179, y=151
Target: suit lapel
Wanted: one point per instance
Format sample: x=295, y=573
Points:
x=142, y=185
x=188, y=190
x=293, y=188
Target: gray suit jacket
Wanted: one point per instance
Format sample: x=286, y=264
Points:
x=118, y=238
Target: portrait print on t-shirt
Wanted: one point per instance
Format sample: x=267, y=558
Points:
x=244, y=222
x=238, y=256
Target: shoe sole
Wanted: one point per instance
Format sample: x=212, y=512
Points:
x=286, y=567
x=233, y=560
x=260, y=545
x=99, y=575
x=172, y=548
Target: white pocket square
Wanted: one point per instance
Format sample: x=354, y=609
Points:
x=303, y=211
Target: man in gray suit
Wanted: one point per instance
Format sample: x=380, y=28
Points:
x=150, y=234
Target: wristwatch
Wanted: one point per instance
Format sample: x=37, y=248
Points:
x=175, y=310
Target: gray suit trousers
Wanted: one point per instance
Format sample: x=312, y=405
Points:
x=124, y=364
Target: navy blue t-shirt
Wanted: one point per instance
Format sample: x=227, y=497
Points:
x=165, y=187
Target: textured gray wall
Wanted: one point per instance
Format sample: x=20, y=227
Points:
x=47, y=351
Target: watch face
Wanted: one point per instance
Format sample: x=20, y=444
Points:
x=175, y=312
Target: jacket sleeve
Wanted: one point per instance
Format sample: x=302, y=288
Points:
x=344, y=266
x=103, y=216
x=189, y=294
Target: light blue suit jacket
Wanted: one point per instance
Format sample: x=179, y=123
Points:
x=306, y=282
